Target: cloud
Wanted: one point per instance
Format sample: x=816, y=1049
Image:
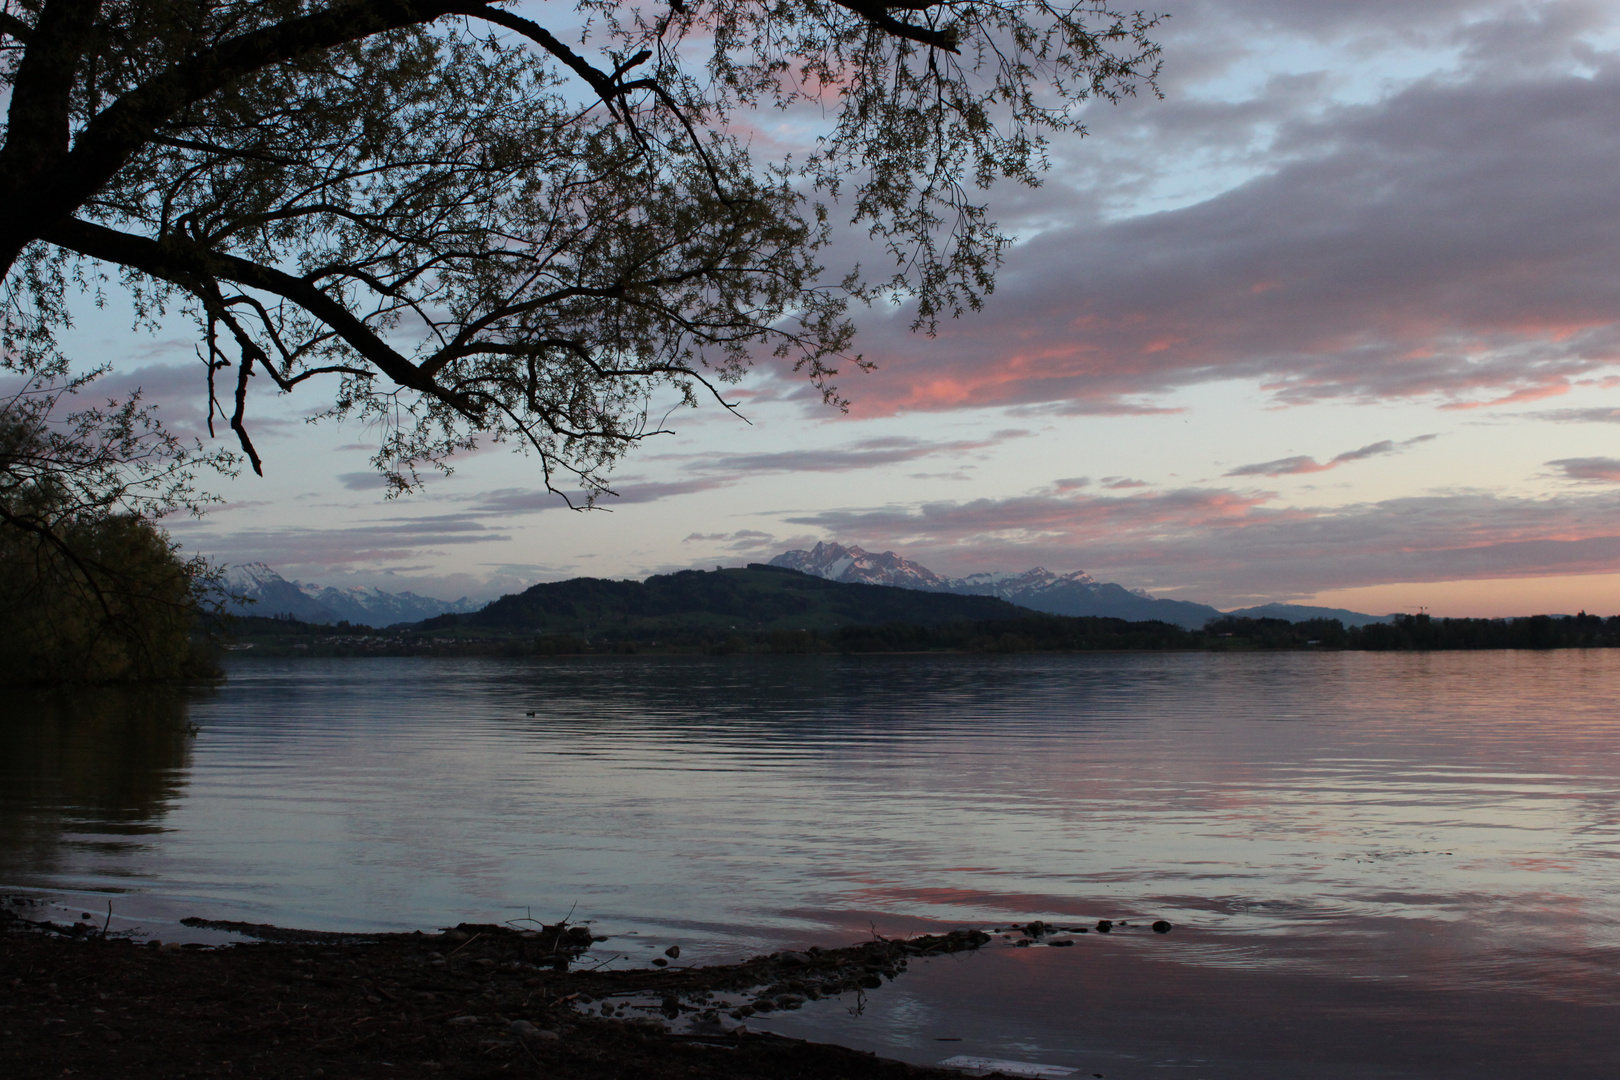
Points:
x=307, y=549
x=864, y=454
x=507, y=501
x=1452, y=242
x=741, y=541
x=1231, y=548
x=1591, y=469
x=362, y=481
x=1299, y=465
x=1288, y=466
x=1578, y=416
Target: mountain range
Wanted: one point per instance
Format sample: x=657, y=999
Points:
x=755, y=598
x=1076, y=593
x=574, y=604
x=268, y=593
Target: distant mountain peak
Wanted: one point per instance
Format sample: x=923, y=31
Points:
x=271, y=594
x=1040, y=589
x=835, y=562
x=1074, y=593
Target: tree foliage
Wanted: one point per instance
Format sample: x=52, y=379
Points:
x=91, y=589
x=519, y=222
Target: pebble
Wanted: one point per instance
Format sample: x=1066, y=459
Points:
x=525, y=1030
x=1162, y=927
x=1104, y=926
x=462, y=1021
x=673, y=952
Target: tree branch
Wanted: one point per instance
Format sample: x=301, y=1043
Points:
x=877, y=14
x=14, y=28
x=174, y=260
x=105, y=144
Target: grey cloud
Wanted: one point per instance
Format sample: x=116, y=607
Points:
x=1578, y=416
x=1227, y=548
x=504, y=501
x=1376, y=449
x=360, y=545
x=1453, y=242
x=362, y=481
x=743, y=541
x=1592, y=469
x=1293, y=466
x=1381, y=18
x=864, y=454
x=1288, y=466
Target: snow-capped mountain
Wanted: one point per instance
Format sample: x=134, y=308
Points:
x=1040, y=589
x=273, y=594
x=835, y=562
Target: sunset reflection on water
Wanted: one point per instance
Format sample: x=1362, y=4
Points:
x=1378, y=865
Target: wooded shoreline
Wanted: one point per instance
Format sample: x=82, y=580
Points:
x=261, y=636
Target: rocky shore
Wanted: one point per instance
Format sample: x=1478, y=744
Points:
x=472, y=1001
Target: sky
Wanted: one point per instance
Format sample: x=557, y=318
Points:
x=1336, y=321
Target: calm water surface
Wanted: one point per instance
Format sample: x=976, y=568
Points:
x=1378, y=866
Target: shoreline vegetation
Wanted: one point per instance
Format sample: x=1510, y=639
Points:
x=762, y=609
x=755, y=610
x=472, y=1001
x=452, y=636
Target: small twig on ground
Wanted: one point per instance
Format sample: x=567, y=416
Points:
x=463, y=945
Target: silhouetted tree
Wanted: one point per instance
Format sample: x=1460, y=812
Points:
x=492, y=222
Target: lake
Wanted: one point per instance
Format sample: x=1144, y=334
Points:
x=1377, y=865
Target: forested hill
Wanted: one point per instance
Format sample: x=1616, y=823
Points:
x=756, y=598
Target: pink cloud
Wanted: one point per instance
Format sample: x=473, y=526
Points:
x=1455, y=242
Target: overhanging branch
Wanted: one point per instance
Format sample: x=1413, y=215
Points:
x=183, y=264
